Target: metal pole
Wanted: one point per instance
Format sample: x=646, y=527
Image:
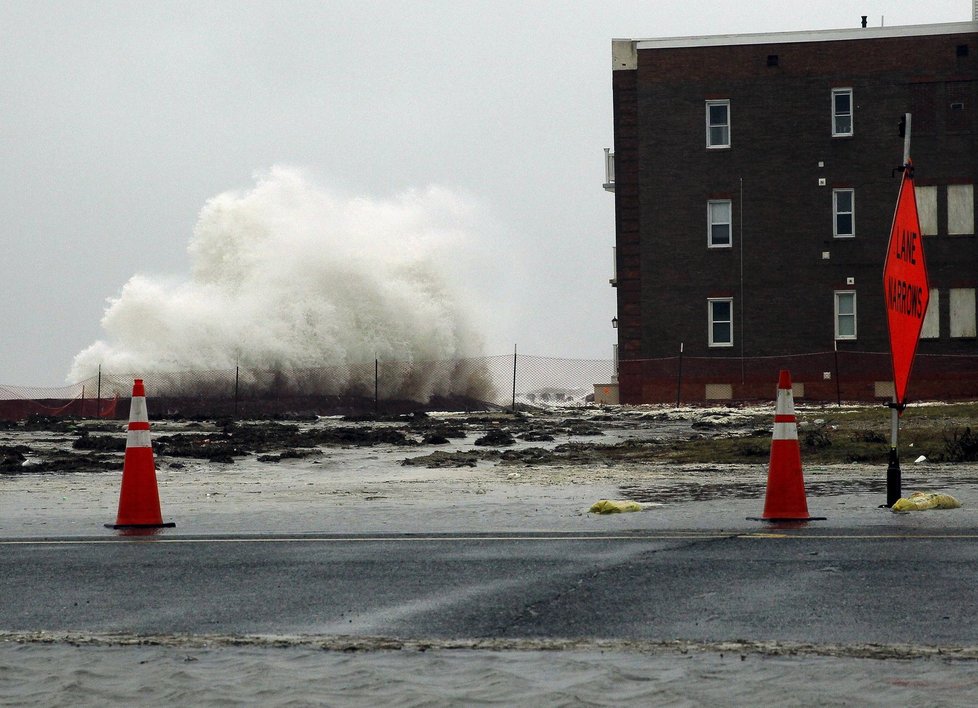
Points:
x=893, y=481
x=376, y=387
x=236, y=372
x=514, y=379
x=98, y=399
x=679, y=376
x=83, y=402
x=906, y=139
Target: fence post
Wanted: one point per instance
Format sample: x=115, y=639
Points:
x=514, y=378
x=679, y=375
x=838, y=384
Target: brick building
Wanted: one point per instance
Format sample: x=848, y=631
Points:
x=754, y=180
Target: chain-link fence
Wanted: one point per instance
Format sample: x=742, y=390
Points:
x=377, y=387
x=495, y=382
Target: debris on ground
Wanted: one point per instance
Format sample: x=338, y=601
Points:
x=613, y=506
x=920, y=501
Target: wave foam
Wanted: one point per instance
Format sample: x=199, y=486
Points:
x=289, y=275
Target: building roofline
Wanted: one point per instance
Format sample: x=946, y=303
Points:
x=835, y=35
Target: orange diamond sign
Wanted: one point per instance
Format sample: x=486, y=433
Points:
x=905, y=285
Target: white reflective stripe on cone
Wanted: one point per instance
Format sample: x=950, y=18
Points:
x=786, y=405
x=785, y=431
x=138, y=438
x=137, y=410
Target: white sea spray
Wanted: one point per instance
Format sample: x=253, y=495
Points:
x=289, y=275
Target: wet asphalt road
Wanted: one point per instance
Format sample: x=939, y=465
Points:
x=846, y=585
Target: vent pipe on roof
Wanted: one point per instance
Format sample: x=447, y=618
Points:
x=864, y=21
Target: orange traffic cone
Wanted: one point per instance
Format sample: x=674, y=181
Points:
x=139, y=501
x=785, y=500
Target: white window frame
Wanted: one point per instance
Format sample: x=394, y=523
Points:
x=712, y=321
x=709, y=126
x=960, y=209
x=838, y=314
x=712, y=221
x=836, y=115
x=926, y=197
x=962, y=313
x=836, y=212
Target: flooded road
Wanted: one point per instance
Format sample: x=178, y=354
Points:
x=734, y=612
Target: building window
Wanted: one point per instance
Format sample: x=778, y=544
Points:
x=841, y=112
x=718, y=216
x=961, y=209
x=844, y=211
x=721, y=321
x=931, y=328
x=718, y=124
x=927, y=209
x=845, y=314
x=963, y=313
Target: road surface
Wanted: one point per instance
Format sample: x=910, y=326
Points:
x=837, y=585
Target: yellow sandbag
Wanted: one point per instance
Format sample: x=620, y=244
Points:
x=904, y=504
x=609, y=506
x=946, y=501
x=920, y=501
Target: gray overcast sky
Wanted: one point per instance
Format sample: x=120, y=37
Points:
x=120, y=120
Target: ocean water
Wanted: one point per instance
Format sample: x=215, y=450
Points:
x=66, y=673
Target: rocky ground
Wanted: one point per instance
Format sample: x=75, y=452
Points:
x=556, y=436
x=576, y=436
